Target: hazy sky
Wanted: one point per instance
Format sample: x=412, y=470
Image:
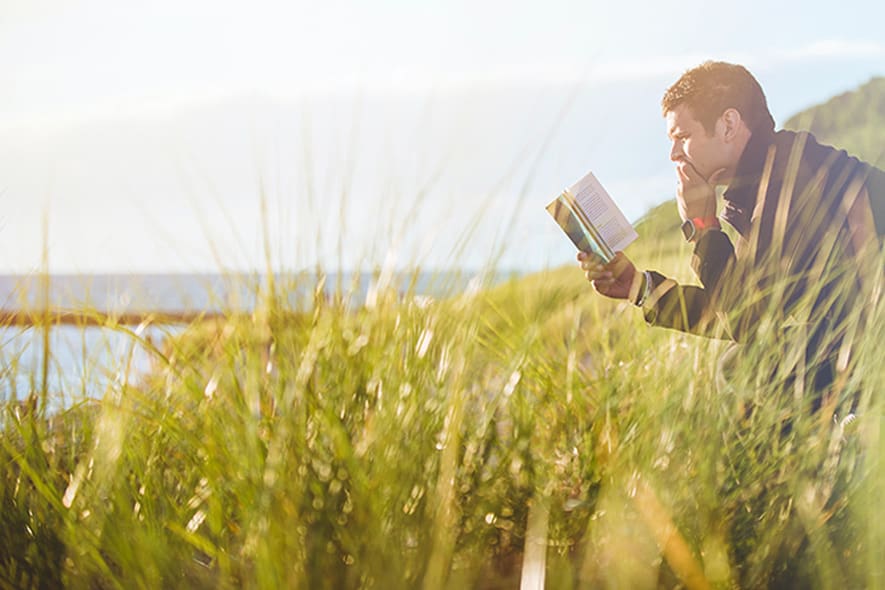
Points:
x=74, y=70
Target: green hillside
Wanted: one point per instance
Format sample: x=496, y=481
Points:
x=854, y=121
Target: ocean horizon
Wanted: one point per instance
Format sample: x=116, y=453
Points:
x=85, y=361
x=221, y=292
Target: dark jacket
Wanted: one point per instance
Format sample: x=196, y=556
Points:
x=788, y=204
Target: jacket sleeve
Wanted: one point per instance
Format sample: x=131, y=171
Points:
x=691, y=308
x=876, y=196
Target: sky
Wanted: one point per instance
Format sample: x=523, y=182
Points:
x=186, y=136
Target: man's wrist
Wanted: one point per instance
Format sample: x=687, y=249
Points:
x=694, y=227
x=644, y=289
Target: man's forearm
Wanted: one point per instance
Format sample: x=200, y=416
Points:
x=691, y=308
x=680, y=307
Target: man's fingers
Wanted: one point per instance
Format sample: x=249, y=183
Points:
x=594, y=270
x=681, y=175
x=588, y=259
x=619, y=265
x=714, y=178
x=592, y=256
x=592, y=264
x=598, y=274
x=602, y=286
x=689, y=175
x=693, y=172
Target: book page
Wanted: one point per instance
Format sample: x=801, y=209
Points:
x=602, y=213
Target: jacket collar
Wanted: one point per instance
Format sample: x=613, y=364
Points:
x=740, y=196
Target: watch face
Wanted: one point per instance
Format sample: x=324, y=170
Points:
x=688, y=229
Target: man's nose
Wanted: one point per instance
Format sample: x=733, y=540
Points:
x=676, y=152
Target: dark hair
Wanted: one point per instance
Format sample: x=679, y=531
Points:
x=711, y=88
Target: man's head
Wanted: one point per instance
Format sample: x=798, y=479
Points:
x=714, y=86
x=711, y=112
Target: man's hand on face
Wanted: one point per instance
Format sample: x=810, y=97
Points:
x=696, y=195
x=614, y=279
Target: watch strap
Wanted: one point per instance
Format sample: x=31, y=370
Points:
x=695, y=225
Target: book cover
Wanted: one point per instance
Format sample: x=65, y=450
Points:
x=591, y=219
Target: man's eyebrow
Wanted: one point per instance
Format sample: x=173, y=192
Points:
x=677, y=131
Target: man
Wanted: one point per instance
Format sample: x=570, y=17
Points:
x=805, y=215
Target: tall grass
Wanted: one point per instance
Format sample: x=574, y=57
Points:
x=412, y=442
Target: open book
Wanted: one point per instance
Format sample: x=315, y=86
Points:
x=590, y=218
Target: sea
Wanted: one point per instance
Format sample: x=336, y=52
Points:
x=84, y=362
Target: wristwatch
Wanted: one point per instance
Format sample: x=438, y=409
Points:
x=694, y=226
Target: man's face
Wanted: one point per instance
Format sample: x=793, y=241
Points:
x=691, y=145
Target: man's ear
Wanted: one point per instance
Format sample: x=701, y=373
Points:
x=731, y=121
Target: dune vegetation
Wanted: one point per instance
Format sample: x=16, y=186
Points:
x=525, y=430
x=439, y=442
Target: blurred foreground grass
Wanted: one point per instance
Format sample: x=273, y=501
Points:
x=419, y=443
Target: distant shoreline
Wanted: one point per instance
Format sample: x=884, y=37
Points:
x=179, y=293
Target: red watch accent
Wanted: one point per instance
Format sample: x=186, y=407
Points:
x=702, y=223
x=692, y=227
